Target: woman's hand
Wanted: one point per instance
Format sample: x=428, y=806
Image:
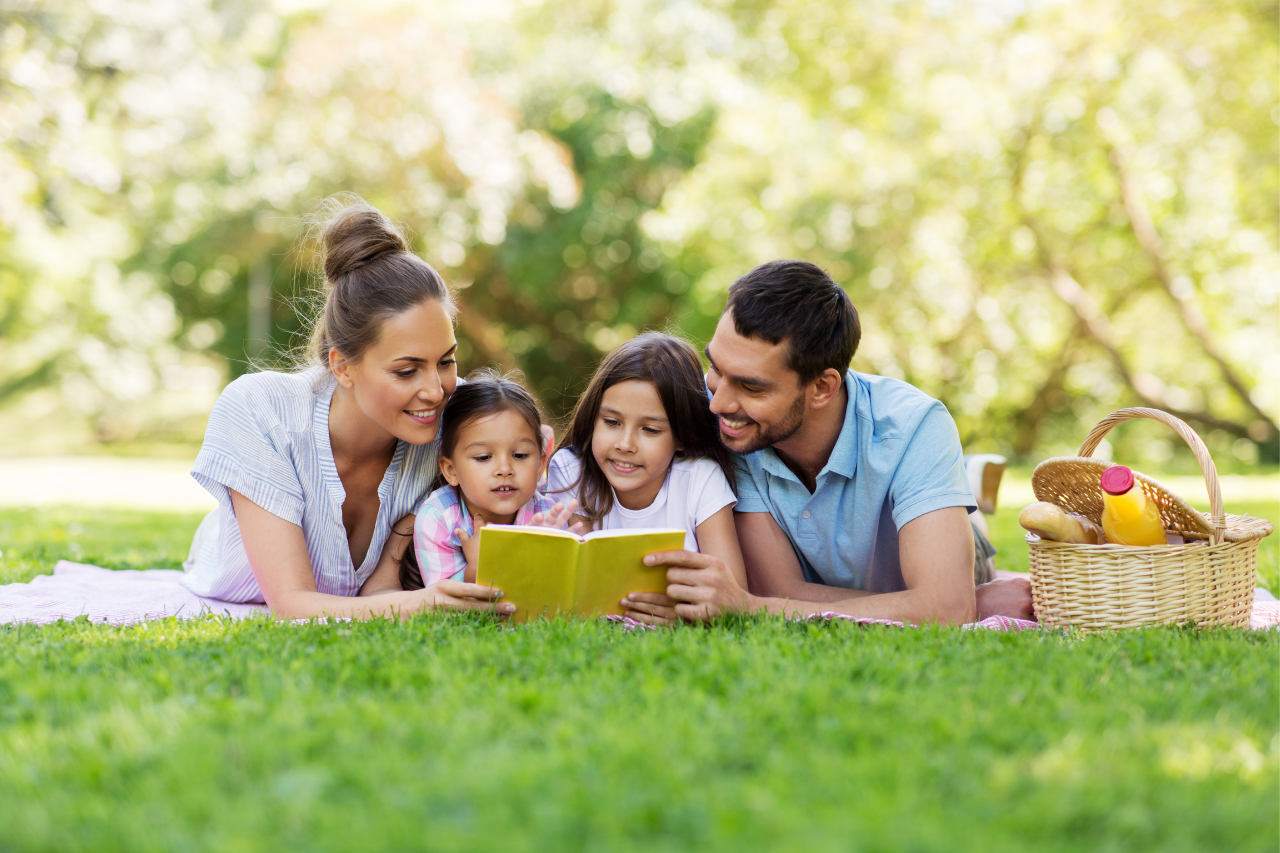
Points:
x=650, y=608
x=456, y=595
x=558, y=517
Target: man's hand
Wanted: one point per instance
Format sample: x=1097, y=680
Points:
x=650, y=608
x=1006, y=597
x=702, y=586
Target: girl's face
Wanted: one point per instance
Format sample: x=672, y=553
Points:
x=632, y=442
x=402, y=380
x=496, y=463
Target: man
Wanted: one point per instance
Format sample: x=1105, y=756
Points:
x=852, y=494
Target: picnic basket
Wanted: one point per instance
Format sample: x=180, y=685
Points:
x=1209, y=580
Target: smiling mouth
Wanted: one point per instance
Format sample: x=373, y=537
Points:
x=423, y=416
x=505, y=490
x=734, y=424
x=624, y=467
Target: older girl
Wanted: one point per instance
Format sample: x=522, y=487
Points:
x=317, y=473
x=643, y=451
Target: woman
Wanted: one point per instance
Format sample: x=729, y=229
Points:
x=317, y=473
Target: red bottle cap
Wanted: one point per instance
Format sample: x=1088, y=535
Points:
x=1117, y=480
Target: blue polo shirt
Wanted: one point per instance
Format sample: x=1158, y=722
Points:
x=897, y=458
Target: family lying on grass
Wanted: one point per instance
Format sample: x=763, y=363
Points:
x=803, y=486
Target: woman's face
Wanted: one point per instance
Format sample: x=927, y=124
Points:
x=404, y=378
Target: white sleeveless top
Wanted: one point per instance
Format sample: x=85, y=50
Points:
x=268, y=438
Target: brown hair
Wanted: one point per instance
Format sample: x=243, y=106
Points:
x=797, y=303
x=370, y=275
x=675, y=370
x=486, y=392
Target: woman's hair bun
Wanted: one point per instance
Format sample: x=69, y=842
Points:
x=356, y=235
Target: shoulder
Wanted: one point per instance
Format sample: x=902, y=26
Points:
x=566, y=458
x=269, y=398
x=441, y=500
x=697, y=470
x=701, y=477
x=893, y=409
x=564, y=470
x=441, y=505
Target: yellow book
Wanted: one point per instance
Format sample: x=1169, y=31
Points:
x=544, y=572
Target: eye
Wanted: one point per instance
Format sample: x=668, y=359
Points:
x=448, y=361
x=652, y=430
x=613, y=422
x=521, y=454
x=406, y=373
x=483, y=457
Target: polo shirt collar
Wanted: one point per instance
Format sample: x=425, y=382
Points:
x=844, y=456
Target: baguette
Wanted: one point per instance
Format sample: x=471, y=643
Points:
x=1052, y=522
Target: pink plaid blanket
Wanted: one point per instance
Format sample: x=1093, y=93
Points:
x=126, y=597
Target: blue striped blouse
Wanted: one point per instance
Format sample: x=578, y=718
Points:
x=268, y=438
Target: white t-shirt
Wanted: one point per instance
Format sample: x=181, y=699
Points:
x=695, y=490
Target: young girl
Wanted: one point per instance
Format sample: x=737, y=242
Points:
x=491, y=458
x=643, y=450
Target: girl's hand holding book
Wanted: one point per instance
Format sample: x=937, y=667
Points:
x=558, y=517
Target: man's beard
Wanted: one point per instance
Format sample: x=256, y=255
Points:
x=784, y=429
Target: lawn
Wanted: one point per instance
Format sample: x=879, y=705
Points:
x=461, y=734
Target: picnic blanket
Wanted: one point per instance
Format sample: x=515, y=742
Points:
x=126, y=597
x=113, y=597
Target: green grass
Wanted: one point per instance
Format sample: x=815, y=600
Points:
x=33, y=540
x=448, y=733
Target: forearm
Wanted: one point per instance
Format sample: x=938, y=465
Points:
x=915, y=606
x=307, y=604
x=800, y=590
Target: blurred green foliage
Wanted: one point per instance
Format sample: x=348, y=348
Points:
x=1043, y=211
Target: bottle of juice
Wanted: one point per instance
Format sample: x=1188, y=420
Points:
x=1128, y=518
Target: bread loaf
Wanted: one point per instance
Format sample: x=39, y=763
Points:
x=1052, y=522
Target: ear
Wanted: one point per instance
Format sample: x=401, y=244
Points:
x=825, y=388
x=341, y=368
x=450, y=473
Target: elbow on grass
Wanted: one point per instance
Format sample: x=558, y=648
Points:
x=962, y=611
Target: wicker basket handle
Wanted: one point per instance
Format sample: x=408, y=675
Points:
x=1217, y=517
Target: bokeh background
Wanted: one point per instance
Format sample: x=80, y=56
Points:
x=1043, y=210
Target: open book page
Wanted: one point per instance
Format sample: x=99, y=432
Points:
x=544, y=572
x=613, y=566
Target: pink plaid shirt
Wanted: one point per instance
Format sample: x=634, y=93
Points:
x=438, y=548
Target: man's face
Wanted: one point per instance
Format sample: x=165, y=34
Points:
x=757, y=398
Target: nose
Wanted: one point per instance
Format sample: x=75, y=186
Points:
x=720, y=398
x=431, y=391
x=626, y=441
x=504, y=466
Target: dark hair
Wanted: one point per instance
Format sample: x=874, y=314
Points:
x=370, y=275
x=486, y=392
x=673, y=366
x=797, y=302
